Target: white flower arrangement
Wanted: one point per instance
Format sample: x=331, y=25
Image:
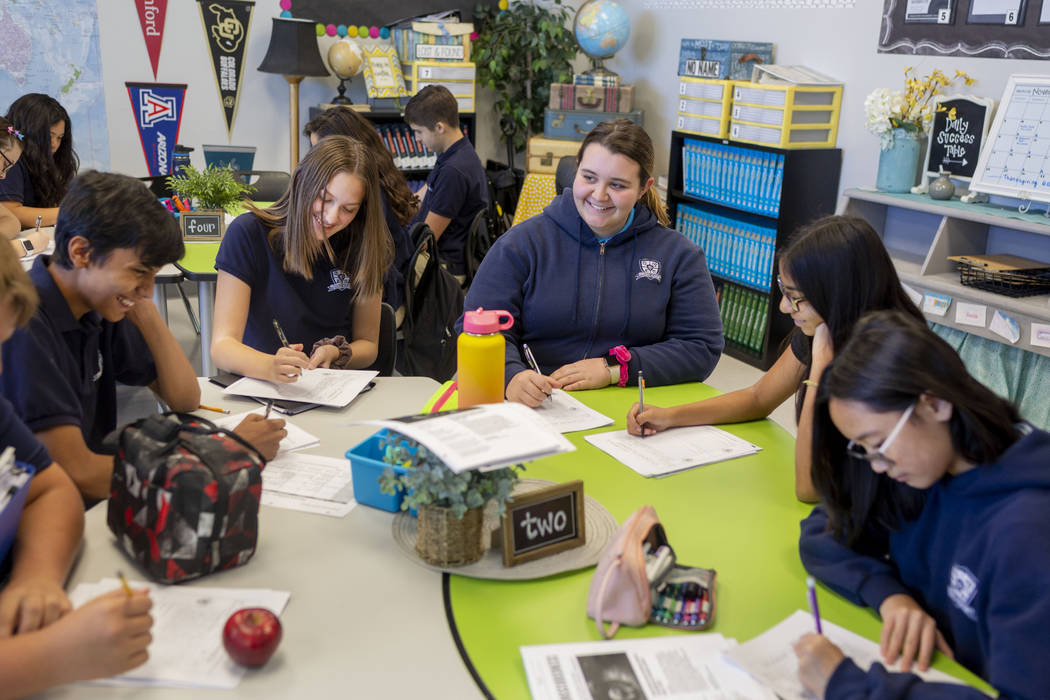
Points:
x=912, y=110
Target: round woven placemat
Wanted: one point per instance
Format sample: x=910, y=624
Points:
x=600, y=524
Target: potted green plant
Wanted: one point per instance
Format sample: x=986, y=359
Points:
x=214, y=188
x=519, y=52
x=449, y=505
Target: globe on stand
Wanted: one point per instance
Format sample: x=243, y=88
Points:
x=601, y=28
x=346, y=60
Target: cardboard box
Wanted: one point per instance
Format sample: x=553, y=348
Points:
x=712, y=58
x=600, y=99
x=544, y=153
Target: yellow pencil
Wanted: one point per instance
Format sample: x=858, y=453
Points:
x=124, y=583
x=213, y=408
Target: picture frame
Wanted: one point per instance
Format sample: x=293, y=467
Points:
x=382, y=71
x=956, y=146
x=544, y=522
x=203, y=225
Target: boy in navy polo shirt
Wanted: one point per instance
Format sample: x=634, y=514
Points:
x=97, y=325
x=456, y=188
x=37, y=625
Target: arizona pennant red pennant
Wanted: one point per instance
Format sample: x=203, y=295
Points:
x=151, y=17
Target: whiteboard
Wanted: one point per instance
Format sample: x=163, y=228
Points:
x=1015, y=161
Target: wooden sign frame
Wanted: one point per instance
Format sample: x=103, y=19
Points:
x=989, y=106
x=186, y=217
x=522, y=502
x=989, y=175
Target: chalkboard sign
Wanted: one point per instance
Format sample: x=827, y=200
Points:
x=202, y=225
x=955, y=144
x=544, y=522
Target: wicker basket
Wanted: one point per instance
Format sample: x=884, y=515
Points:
x=445, y=540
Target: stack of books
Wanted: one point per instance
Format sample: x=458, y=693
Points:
x=408, y=152
x=738, y=248
x=744, y=315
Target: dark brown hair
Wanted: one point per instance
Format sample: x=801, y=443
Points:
x=34, y=115
x=431, y=105
x=626, y=138
x=344, y=121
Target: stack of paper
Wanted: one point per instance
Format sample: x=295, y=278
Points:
x=567, y=414
x=187, y=650
x=328, y=387
x=309, y=483
x=672, y=450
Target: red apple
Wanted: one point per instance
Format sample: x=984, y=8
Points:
x=251, y=635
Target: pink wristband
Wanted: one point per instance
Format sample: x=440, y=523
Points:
x=623, y=356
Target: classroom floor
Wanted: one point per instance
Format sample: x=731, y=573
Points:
x=730, y=374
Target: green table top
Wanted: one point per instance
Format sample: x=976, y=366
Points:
x=198, y=264
x=739, y=517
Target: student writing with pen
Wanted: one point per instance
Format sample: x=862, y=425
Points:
x=314, y=262
x=96, y=325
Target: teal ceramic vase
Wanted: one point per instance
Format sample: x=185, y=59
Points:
x=899, y=164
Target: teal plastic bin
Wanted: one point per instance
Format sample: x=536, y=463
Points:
x=366, y=465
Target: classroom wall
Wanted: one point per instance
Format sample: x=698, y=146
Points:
x=839, y=42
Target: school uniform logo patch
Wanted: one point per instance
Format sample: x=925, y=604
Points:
x=962, y=589
x=98, y=372
x=649, y=270
x=340, y=282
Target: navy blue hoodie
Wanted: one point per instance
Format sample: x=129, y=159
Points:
x=977, y=559
x=573, y=298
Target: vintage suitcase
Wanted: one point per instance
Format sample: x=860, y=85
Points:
x=601, y=99
x=712, y=58
x=545, y=153
x=574, y=124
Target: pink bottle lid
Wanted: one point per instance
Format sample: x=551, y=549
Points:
x=484, y=321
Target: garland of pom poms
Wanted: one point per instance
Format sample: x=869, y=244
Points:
x=363, y=31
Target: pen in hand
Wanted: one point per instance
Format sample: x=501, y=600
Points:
x=38, y=220
x=641, y=399
x=269, y=407
x=812, y=585
x=280, y=333
x=533, y=364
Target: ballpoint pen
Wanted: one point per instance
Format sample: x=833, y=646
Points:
x=532, y=363
x=38, y=220
x=812, y=585
x=269, y=407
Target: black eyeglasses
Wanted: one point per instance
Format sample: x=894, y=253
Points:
x=794, y=301
x=855, y=449
x=8, y=163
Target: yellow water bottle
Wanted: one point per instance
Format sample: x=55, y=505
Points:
x=481, y=356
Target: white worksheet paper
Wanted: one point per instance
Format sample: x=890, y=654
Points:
x=669, y=668
x=328, y=387
x=567, y=414
x=672, y=450
x=296, y=439
x=770, y=658
x=311, y=476
x=186, y=651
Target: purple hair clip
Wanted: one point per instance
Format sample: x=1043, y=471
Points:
x=16, y=132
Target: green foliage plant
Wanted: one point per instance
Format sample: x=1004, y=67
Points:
x=519, y=52
x=212, y=188
x=429, y=482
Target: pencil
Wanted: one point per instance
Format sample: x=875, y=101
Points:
x=280, y=333
x=214, y=408
x=124, y=583
x=641, y=398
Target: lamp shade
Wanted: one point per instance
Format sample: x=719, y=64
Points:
x=293, y=49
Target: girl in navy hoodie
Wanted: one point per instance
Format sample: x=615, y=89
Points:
x=936, y=497
x=599, y=287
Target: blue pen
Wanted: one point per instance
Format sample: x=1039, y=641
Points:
x=812, y=585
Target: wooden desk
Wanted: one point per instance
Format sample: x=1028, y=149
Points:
x=739, y=517
x=363, y=621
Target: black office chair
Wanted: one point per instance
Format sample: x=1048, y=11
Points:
x=387, y=355
x=565, y=173
x=268, y=186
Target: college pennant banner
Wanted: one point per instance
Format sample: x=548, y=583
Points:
x=151, y=17
x=226, y=25
x=158, y=113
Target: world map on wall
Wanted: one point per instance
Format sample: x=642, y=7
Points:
x=53, y=48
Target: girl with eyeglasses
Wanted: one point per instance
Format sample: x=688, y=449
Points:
x=35, y=185
x=936, y=500
x=10, y=227
x=834, y=271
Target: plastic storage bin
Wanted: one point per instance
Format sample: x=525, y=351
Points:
x=366, y=464
x=703, y=106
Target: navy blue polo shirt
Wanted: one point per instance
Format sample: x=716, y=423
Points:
x=307, y=310
x=62, y=371
x=17, y=187
x=394, y=279
x=456, y=189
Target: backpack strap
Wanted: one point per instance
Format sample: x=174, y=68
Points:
x=599, y=620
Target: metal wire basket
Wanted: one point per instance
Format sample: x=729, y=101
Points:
x=1012, y=283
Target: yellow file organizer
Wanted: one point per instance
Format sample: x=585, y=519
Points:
x=457, y=76
x=785, y=116
x=703, y=106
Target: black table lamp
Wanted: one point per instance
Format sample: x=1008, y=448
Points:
x=293, y=53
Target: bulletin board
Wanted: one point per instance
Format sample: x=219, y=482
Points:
x=1016, y=160
x=974, y=28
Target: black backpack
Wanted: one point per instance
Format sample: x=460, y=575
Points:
x=433, y=304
